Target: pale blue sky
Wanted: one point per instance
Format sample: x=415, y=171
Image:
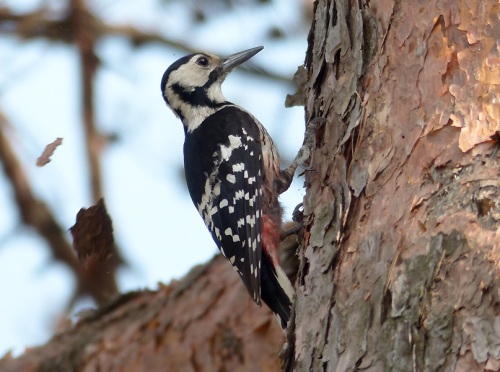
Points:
x=159, y=231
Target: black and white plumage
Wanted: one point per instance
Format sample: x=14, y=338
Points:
x=233, y=174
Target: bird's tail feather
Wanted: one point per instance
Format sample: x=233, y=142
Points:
x=277, y=291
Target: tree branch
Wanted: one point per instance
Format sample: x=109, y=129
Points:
x=84, y=25
x=41, y=24
x=205, y=322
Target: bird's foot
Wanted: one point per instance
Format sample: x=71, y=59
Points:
x=297, y=217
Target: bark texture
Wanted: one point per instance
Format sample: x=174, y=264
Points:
x=206, y=322
x=400, y=260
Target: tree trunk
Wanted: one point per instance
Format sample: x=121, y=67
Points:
x=400, y=258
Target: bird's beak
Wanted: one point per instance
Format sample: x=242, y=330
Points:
x=236, y=59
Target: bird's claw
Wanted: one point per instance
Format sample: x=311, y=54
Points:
x=298, y=213
x=297, y=217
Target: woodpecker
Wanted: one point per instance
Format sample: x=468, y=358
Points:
x=233, y=174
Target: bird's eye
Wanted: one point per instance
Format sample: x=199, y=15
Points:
x=202, y=61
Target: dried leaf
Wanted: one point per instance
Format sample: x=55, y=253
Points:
x=95, y=247
x=48, y=152
x=93, y=234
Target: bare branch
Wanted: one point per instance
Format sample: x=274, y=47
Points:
x=139, y=38
x=84, y=25
x=41, y=24
x=190, y=324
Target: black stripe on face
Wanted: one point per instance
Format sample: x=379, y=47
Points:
x=213, y=77
x=196, y=97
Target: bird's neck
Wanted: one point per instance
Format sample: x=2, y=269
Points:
x=193, y=116
x=198, y=104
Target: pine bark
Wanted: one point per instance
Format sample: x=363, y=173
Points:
x=205, y=322
x=400, y=256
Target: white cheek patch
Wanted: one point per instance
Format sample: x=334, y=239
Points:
x=189, y=75
x=214, y=93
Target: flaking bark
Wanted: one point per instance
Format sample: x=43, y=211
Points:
x=399, y=265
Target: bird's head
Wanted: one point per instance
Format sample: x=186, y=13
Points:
x=191, y=86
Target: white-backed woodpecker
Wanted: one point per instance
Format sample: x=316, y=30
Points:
x=233, y=174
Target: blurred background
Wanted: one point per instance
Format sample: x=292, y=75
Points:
x=89, y=72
